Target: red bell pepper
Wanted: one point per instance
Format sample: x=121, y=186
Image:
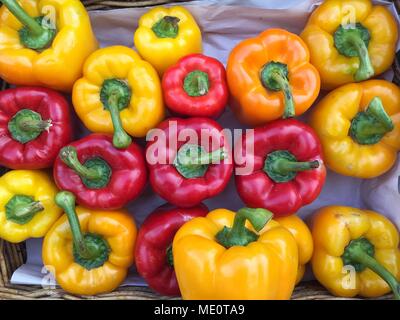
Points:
x=100, y=175
x=193, y=170
x=153, y=253
x=34, y=125
x=196, y=86
x=288, y=170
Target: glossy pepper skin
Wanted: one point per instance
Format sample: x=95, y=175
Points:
x=284, y=171
x=364, y=242
x=196, y=87
x=270, y=77
x=57, y=62
x=359, y=128
x=89, y=251
x=153, y=252
x=165, y=35
x=119, y=93
x=221, y=256
x=100, y=175
x=34, y=125
x=186, y=172
x=27, y=207
x=344, y=55
x=304, y=240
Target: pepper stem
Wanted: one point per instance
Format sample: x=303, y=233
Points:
x=170, y=257
x=166, y=27
x=192, y=160
x=90, y=250
x=274, y=76
x=21, y=209
x=353, y=41
x=369, y=126
x=27, y=125
x=365, y=70
x=282, y=166
x=69, y=156
x=33, y=35
x=115, y=96
x=196, y=83
x=360, y=251
x=239, y=235
x=95, y=172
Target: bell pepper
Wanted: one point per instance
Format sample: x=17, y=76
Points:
x=355, y=252
x=153, y=253
x=164, y=35
x=304, y=240
x=231, y=256
x=119, y=93
x=285, y=169
x=270, y=77
x=44, y=42
x=350, y=40
x=27, y=207
x=196, y=86
x=186, y=172
x=89, y=251
x=101, y=176
x=34, y=125
x=359, y=128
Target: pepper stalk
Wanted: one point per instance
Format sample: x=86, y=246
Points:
x=90, y=250
x=33, y=35
x=115, y=96
x=239, y=235
x=359, y=253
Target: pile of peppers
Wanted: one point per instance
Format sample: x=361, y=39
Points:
x=73, y=191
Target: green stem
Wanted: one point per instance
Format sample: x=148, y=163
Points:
x=365, y=69
x=239, y=235
x=26, y=125
x=353, y=41
x=170, y=257
x=166, y=27
x=25, y=210
x=282, y=166
x=21, y=209
x=33, y=125
x=115, y=96
x=274, y=76
x=66, y=200
x=369, y=127
x=192, y=160
x=95, y=173
x=196, y=83
x=33, y=35
x=69, y=156
x=14, y=7
x=359, y=252
x=121, y=139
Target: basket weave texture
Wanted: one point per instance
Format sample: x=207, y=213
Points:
x=13, y=256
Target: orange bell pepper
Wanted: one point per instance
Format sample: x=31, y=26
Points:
x=270, y=77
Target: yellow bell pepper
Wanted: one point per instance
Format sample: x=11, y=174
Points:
x=223, y=256
x=302, y=235
x=44, y=42
x=355, y=252
x=350, y=40
x=89, y=251
x=118, y=92
x=359, y=128
x=27, y=207
x=165, y=35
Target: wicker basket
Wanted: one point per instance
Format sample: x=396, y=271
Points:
x=14, y=255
